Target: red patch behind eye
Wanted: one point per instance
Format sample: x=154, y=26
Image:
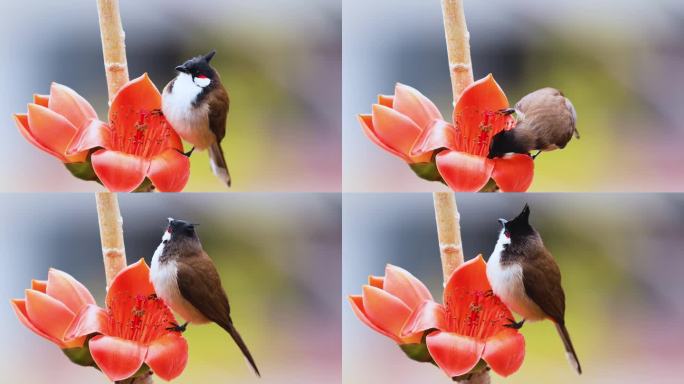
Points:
x=508, y=234
x=201, y=77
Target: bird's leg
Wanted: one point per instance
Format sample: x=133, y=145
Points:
x=177, y=328
x=534, y=157
x=514, y=325
x=189, y=153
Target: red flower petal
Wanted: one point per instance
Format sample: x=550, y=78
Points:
x=21, y=121
x=376, y=281
x=470, y=276
x=48, y=314
x=68, y=290
x=49, y=128
x=367, y=125
x=413, y=104
x=356, y=302
x=464, y=172
x=41, y=100
x=133, y=280
x=95, y=134
x=482, y=95
x=66, y=102
x=387, y=312
x=169, y=171
x=119, y=359
x=387, y=101
x=39, y=285
x=19, y=307
x=137, y=96
x=429, y=315
x=439, y=134
x=505, y=352
x=406, y=287
x=118, y=171
x=456, y=355
x=513, y=172
x=90, y=319
x=167, y=356
x=395, y=130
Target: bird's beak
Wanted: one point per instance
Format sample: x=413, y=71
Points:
x=181, y=68
x=503, y=222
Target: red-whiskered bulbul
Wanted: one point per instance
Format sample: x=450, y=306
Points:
x=524, y=274
x=196, y=104
x=546, y=120
x=186, y=279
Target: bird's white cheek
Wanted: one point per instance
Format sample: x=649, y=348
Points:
x=202, y=81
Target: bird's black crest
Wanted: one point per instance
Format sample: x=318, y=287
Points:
x=199, y=66
x=520, y=226
x=181, y=228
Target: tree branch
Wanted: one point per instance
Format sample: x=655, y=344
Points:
x=458, y=46
x=113, y=45
x=448, y=232
x=111, y=234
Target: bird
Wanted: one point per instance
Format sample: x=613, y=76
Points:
x=526, y=277
x=196, y=104
x=186, y=279
x=546, y=121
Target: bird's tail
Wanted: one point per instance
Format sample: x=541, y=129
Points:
x=230, y=328
x=218, y=163
x=569, y=349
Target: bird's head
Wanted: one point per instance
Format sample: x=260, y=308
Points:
x=199, y=70
x=518, y=228
x=178, y=229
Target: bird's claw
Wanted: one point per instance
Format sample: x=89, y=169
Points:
x=177, y=328
x=534, y=157
x=507, y=111
x=189, y=153
x=514, y=325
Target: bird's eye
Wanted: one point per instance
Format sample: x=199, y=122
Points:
x=507, y=234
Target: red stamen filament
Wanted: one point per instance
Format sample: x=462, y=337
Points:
x=146, y=138
x=138, y=318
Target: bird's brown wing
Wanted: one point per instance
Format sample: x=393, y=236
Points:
x=199, y=283
x=219, y=103
x=542, y=281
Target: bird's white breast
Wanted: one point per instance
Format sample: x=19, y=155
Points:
x=164, y=277
x=190, y=121
x=507, y=283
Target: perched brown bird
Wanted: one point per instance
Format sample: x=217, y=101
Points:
x=524, y=274
x=186, y=279
x=196, y=104
x=546, y=121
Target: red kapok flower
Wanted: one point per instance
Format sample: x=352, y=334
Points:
x=397, y=121
x=133, y=329
x=138, y=142
x=50, y=306
x=53, y=121
x=463, y=164
x=469, y=326
x=387, y=302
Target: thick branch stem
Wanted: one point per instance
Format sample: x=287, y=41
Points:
x=458, y=46
x=111, y=234
x=448, y=232
x=113, y=45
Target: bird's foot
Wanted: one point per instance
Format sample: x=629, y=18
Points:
x=534, y=157
x=514, y=325
x=507, y=111
x=188, y=153
x=178, y=328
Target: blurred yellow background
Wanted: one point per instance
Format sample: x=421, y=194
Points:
x=279, y=60
x=621, y=261
x=278, y=256
x=620, y=62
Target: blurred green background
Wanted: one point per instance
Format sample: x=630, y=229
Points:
x=279, y=60
x=278, y=256
x=620, y=62
x=621, y=261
